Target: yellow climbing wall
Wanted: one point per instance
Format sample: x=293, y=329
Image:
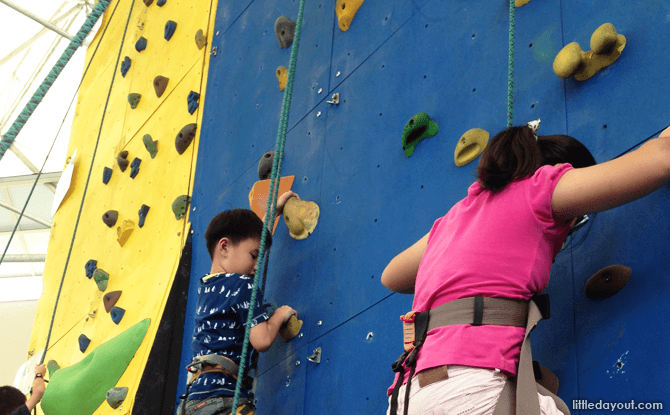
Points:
x=144, y=268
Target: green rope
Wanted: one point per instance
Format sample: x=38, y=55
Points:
x=37, y=97
x=510, y=72
x=272, y=197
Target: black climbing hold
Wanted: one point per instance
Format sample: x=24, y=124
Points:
x=148, y=2
x=185, y=137
x=110, y=217
x=200, y=39
x=161, y=3
x=117, y=314
x=192, y=100
x=285, y=29
x=265, y=165
x=143, y=214
x=125, y=66
x=84, y=342
x=134, y=100
x=110, y=299
x=91, y=265
x=141, y=44
x=122, y=160
x=180, y=206
x=160, y=83
x=116, y=396
x=607, y=282
x=151, y=145
x=106, y=175
x=135, y=167
x=170, y=27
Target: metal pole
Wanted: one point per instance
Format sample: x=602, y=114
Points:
x=25, y=258
x=25, y=215
x=37, y=19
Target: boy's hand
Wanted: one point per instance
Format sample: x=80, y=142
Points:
x=41, y=369
x=282, y=201
x=286, y=312
x=38, y=384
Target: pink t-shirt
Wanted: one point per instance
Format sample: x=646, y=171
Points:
x=494, y=245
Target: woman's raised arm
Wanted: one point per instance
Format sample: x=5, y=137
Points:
x=400, y=273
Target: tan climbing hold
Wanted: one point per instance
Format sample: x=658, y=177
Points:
x=607, y=282
x=200, y=39
x=124, y=231
x=301, y=217
x=470, y=146
x=519, y=3
x=291, y=329
x=345, y=11
x=282, y=77
x=606, y=47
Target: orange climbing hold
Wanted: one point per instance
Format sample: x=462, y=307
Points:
x=282, y=77
x=345, y=11
x=258, y=196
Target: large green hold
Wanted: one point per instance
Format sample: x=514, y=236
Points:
x=82, y=388
x=416, y=129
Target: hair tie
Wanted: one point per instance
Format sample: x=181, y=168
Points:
x=534, y=125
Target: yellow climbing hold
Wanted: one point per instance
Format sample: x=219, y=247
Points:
x=282, y=77
x=301, y=217
x=470, y=146
x=519, y=3
x=345, y=11
x=124, y=231
x=606, y=47
x=291, y=329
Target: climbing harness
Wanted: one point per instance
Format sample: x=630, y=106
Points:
x=519, y=395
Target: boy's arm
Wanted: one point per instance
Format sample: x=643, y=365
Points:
x=38, y=387
x=262, y=335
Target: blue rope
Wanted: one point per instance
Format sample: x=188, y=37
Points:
x=510, y=72
x=272, y=197
x=37, y=97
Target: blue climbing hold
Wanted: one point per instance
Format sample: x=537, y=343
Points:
x=117, y=314
x=170, y=27
x=141, y=44
x=125, y=65
x=135, y=167
x=106, y=175
x=143, y=214
x=161, y=3
x=192, y=99
x=84, y=342
x=91, y=266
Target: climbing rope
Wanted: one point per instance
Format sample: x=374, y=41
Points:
x=37, y=97
x=272, y=197
x=510, y=71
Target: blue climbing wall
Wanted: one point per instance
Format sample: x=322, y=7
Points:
x=448, y=59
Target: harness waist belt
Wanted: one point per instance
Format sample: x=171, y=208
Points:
x=480, y=311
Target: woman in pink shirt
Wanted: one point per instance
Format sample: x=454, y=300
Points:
x=500, y=241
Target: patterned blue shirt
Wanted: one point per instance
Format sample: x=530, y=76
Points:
x=220, y=319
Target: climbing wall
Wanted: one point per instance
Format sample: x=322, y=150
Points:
x=448, y=59
x=139, y=250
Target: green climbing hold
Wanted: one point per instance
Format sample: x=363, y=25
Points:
x=52, y=366
x=180, y=206
x=116, y=396
x=82, y=388
x=184, y=138
x=101, y=278
x=416, y=129
x=151, y=145
x=134, y=100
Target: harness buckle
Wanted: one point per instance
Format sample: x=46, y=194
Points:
x=409, y=330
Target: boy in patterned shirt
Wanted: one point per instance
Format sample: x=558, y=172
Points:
x=224, y=295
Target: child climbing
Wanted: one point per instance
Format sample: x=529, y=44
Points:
x=488, y=257
x=13, y=401
x=233, y=241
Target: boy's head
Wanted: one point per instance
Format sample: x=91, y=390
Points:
x=233, y=240
x=10, y=399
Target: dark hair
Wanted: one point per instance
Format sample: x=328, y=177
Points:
x=515, y=153
x=236, y=225
x=10, y=399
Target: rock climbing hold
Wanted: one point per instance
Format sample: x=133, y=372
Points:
x=416, y=129
x=282, y=77
x=170, y=27
x=110, y=299
x=285, y=30
x=161, y=3
x=116, y=396
x=345, y=11
x=180, y=206
x=185, y=137
x=135, y=167
x=160, y=83
x=151, y=145
x=117, y=314
x=470, y=146
x=141, y=44
x=192, y=101
x=134, y=100
x=519, y=3
x=124, y=231
x=291, y=329
x=106, y=175
x=90, y=266
x=606, y=47
x=143, y=215
x=607, y=282
x=301, y=217
x=110, y=217
x=52, y=366
x=148, y=2
x=125, y=66
x=265, y=165
x=200, y=39
x=101, y=278
x=83, y=342
x=122, y=160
